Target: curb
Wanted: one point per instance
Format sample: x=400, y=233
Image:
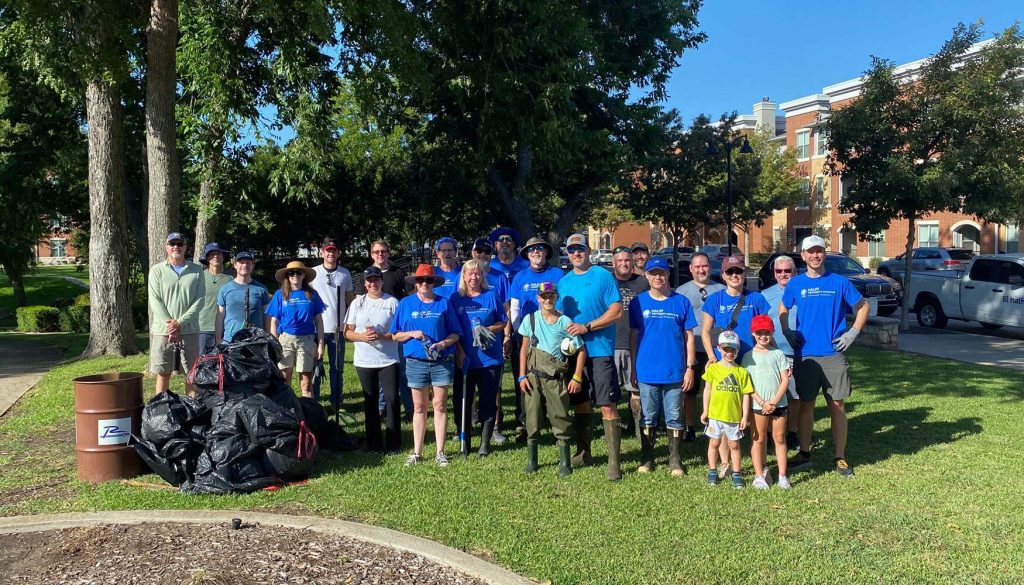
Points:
x=438, y=553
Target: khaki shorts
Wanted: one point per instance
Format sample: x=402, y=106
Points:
x=299, y=352
x=161, y=353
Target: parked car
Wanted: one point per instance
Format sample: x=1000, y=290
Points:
x=990, y=291
x=684, y=253
x=563, y=259
x=888, y=292
x=927, y=259
x=718, y=251
x=601, y=257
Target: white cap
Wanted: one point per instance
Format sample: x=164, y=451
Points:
x=728, y=339
x=812, y=241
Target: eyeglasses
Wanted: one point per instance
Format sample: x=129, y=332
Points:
x=621, y=249
x=379, y=252
x=783, y=271
x=424, y=280
x=295, y=273
x=576, y=249
x=372, y=280
x=733, y=272
x=176, y=244
x=533, y=249
x=506, y=240
x=443, y=250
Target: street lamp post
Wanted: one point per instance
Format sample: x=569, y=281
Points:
x=713, y=150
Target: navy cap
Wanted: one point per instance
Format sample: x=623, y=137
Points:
x=372, y=271
x=176, y=237
x=482, y=244
x=212, y=247
x=656, y=263
x=244, y=255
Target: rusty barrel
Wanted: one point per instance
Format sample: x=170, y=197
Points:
x=108, y=409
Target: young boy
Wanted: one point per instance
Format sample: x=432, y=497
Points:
x=726, y=406
x=543, y=371
x=769, y=372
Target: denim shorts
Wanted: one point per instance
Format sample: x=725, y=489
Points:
x=424, y=374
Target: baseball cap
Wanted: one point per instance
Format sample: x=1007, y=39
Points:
x=482, y=244
x=244, y=255
x=576, y=240
x=212, y=247
x=176, y=237
x=728, y=339
x=639, y=246
x=656, y=264
x=329, y=243
x=812, y=241
x=373, y=271
x=547, y=287
x=448, y=239
x=762, y=323
x=733, y=262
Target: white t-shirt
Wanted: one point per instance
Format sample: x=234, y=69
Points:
x=327, y=285
x=376, y=313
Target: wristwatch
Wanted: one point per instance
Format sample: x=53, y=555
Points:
x=589, y=327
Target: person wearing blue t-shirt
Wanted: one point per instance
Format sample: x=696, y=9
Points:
x=482, y=317
x=661, y=342
x=235, y=296
x=447, y=267
x=820, y=340
x=296, y=319
x=719, y=308
x=505, y=241
x=427, y=328
x=589, y=296
x=522, y=302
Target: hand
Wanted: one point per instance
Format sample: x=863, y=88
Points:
x=574, y=387
x=506, y=346
x=576, y=329
x=712, y=358
x=417, y=335
x=439, y=346
x=370, y=335
x=524, y=386
x=319, y=351
x=767, y=407
x=743, y=423
x=633, y=380
x=687, y=380
x=704, y=418
x=845, y=341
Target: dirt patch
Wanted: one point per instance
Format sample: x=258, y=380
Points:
x=209, y=554
x=50, y=456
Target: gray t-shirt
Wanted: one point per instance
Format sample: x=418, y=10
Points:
x=692, y=291
x=628, y=289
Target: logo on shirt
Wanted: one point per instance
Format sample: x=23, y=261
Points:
x=803, y=293
x=415, y=314
x=816, y=292
x=647, y=313
x=729, y=384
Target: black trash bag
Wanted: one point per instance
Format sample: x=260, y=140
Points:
x=231, y=461
x=279, y=429
x=169, y=416
x=329, y=434
x=173, y=472
x=243, y=475
x=251, y=358
x=214, y=400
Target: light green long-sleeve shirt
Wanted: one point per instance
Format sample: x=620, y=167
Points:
x=176, y=297
x=208, y=314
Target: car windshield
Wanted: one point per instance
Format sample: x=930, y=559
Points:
x=961, y=254
x=843, y=265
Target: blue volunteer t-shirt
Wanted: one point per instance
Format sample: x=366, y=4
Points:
x=821, y=310
x=524, y=287
x=484, y=309
x=510, y=271
x=661, y=336
x=298, y=315
x=232, y=298
x=451, y=282
x=720, y=306
x=584, y=298
x=435, y=319
x=499, y=284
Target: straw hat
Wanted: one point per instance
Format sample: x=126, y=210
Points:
x=282, y=274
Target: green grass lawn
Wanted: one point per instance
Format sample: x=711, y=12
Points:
x=935, y=497
x=42, y=287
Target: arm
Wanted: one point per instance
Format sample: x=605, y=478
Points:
x=576, y=383
x=218, y=329
x=780, y=392
x=523, y=381
x=705, y=337
x=197, y=302
x=634, y=343
x=273, y=326
x=863, y=310
x=609, y=318
x=707, y=402
x=319, y=336
x=746, y=412
x=351, y=335
x=691, y=360
x=156, y=302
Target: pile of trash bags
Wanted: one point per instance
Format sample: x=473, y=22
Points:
x=244, y=431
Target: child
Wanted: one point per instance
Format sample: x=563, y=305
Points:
x=543, y=371
x=769, y=372
x=726, y=406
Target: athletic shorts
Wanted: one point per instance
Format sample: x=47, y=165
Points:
x=161, y=353
x=298, y=352
x=829, y=374
x=624, y=368
x=698, y=373
x=792, y=380
x=775, y=413
x=717, y=428
x=600, y=383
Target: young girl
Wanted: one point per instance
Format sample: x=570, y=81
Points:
x=726, y=406
x=769, y=371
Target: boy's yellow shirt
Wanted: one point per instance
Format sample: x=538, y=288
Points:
x=728, y=385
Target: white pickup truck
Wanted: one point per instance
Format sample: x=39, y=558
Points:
x=990, y=291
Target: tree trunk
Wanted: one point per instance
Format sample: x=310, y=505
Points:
x=18, y=284
x=161, y=131
x=209, y=198
x=111, y=329
x=905, y=309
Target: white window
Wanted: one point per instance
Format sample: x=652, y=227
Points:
x=58, y=248
x=927, y=235
x=805, y=194
x=819, y=192
x=844, y=189
x=876, y=245
x=820, y=143
x=803, y=146
x=1012, y=239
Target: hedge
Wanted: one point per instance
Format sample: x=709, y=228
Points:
x=38, y=318
x=75, y=319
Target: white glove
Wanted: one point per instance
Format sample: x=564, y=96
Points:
x=845, y=341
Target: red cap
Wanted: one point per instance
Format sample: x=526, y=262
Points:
x=733, y=262
x=762, y=323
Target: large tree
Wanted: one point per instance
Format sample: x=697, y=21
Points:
x=545, y=98
x=946, y=139
x=164, y=200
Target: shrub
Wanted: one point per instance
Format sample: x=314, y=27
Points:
x=757, y=258
x=873, y=263
x=75, y=319
x=82, y=299
x=38, y=318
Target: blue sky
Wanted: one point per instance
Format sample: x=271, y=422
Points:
x=786, y=49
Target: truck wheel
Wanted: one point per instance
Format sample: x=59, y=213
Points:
x=990, y=326
x=929, y=314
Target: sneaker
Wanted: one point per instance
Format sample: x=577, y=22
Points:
x=768, y=476
x=413, y=459
x=792, y=441
x=441, y=460
x=784, y=483
x=759, y=483
x=713, y=477
x=737, y=481
x=801, y=461
x=690, y=435
x=843, y=468
x=497, y=438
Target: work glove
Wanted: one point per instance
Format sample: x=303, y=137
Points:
x=428, y=348
x=483, y=337
x=844, y=341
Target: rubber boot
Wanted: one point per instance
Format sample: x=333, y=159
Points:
x=584, y=436
x=613, y=438
x=531, y=457
x=564, y=466
x=634, y=409
x=485, y=439
x=675, y=464
x=646, y=450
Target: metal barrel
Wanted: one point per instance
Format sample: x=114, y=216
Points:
x=108, y=409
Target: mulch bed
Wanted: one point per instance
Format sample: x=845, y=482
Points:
x=193, y=554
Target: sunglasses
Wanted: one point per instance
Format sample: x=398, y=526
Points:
x=533, y=249
x=703, y=294
x=733, y=272
x=783, y=271
x=576, y=249
x=506, y=239
x=424, y=280
x=482, y=250
x=621, y=249
x=291, y=273
x=379, y=252
x=176, y=244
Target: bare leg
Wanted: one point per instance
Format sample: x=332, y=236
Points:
x=306, y=384
x=779, y=436
x=736, y=454
x=163, y=382
x=759, y=446
x=723, y=452
x=420, y=400
x=713, y=446
x=440, y=416
x=838, y=415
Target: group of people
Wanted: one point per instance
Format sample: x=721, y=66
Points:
x=573, y=339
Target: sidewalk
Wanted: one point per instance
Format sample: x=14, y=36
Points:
x=21, y=368
x=965, y=347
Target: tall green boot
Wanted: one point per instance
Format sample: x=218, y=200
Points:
x=647, y=450
x=675, y=464
x=531, y=457
x=613, y=438
x=584, y=436
x=564, y=466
